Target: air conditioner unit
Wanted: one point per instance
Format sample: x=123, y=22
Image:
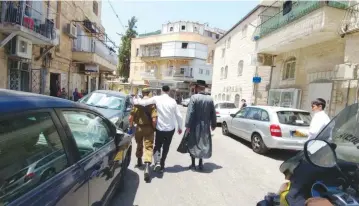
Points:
x=344, y=71
x=72, y=30
x=20, y=47
x=264, y=60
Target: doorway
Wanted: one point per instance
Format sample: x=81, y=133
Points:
x=54, y=84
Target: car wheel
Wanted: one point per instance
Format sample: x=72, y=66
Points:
x=258, y=145
x=225, y=130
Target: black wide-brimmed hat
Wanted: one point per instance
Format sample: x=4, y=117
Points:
x=201, y=83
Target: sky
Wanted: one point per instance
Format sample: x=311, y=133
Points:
x=152, y=14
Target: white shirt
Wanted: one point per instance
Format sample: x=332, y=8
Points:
x=319, y=121
x=167, y=111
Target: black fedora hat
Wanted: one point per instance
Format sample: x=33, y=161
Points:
x=201, y=83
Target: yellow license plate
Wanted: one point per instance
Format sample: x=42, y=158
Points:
x=119, y=156
x=299, y=134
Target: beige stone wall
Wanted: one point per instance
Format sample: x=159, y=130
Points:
x=352, y=48
x=313, y=63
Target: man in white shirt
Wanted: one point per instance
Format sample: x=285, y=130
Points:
x=168, y=115
x=319, y=120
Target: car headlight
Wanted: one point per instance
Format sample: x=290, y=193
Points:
x=114, y=120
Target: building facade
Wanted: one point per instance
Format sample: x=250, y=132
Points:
x=235, y=64
x=177, y=55
x=46, y=45
x=301, y=43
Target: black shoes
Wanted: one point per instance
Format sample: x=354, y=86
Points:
x=139, y=162
x=200, y=164
x=193, y=165
x=147, y=172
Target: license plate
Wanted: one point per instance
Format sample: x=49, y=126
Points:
x=119, y=156
x=298, y=134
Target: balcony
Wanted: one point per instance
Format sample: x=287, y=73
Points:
x=149, y=74
x=350, y=22
x=149, y=51
x=178, y=74
x=91, y=50
x=301, y=24
x=27, y=19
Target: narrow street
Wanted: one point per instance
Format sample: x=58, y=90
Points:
x=235, y=175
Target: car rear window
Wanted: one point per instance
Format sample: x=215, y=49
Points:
x=227, y=106
x=294, y=118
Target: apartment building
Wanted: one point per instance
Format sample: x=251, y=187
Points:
x=302, y=43
x=177, y=55
x=235, y=64
x=50, y=44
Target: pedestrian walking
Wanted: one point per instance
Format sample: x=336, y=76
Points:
x=200, y=119
x=145, y=118
x=168, y=115
x=76, y=95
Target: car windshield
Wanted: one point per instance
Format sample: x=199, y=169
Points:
x=227, y=106
x=342, y=130
x=104, y=101
x=294, y=118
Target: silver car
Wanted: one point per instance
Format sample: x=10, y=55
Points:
x=268, y=127
x=224, y=109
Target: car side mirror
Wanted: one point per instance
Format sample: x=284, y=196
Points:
x=232, y=115
x=320, y=153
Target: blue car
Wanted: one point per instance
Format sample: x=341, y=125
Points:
x=58, y=152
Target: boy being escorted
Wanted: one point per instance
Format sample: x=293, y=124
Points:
x=145, y=118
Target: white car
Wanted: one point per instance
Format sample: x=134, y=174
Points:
x=185, y=102
x=224, y=109
x=268, y=127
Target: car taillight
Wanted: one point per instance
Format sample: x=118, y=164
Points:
x=217, y=112
x=29, y=177
x=275, y=130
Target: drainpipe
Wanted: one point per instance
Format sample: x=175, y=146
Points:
x=270, y=76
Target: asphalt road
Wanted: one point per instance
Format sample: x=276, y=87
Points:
x=235, y=175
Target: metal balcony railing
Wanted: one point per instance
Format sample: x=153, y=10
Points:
x=94, y=45
x=350, y=22
x=28, y=14
x=271, y=23
x=150, y=51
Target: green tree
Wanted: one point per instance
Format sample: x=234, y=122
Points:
x=124, y=52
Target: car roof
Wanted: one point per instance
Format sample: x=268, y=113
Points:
x=16, y=101
x=111, y=92
x=277, y=109
x=219, y=102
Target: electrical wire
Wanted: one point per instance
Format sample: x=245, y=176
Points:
x=116, y=15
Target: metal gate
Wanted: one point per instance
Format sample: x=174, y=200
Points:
x=38, y=80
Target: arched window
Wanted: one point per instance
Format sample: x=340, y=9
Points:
x=288, y=71
x=237, y=100
x=228, y=97
x=222, y=72
x=240, y=68
x=229, y=43
x=244, y=31
x=223, y=97
x=225, y=72
x=215, y=97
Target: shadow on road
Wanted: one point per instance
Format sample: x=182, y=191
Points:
x=276, y=154
x=128, y=194
x=208, y=167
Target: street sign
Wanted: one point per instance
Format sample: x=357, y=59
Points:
x=257, y=80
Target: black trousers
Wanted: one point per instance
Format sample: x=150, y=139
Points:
x=163, y=141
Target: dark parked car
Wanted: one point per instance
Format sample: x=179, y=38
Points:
x=58, y=152
x=116, y=106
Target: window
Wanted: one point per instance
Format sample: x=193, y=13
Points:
x=229, y=43
x=195, y=29
x=200, y=71
x=264, y=116
x=184, y=45
x=225, y=72
x=182, y=70
x=222, y=72
x=289, y=69
x=223, y=52
x=183, y=27
x=294, y=118
x=31, y=152
x=227, y=99
x=217, y=36
x=23, y=47
x=287, y=7
x=171, y=28
x=223, y=97
x=254, y=113
x=207, y=72
x=237, y=100
x=240, y=68
x=95, y=7
x=137, y=51
x=242, y=113
x=244, y=30
x=89, y=131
